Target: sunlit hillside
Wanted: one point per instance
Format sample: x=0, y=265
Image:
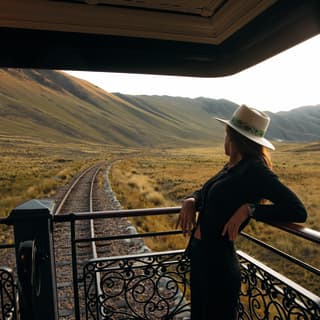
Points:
x=57, y=107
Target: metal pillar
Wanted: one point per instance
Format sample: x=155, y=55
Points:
x=32, y=222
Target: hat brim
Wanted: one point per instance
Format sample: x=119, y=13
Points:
x=259, y=140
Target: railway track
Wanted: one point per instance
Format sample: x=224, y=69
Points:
x=84, y=195
x=80, y=196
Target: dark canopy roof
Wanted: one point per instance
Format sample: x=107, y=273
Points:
x=196, y=38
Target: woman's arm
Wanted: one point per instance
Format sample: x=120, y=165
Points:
x=187, y=216
x=285, y=204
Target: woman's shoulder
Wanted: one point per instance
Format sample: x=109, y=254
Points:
x=256, y=165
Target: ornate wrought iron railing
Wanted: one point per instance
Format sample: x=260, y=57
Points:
x=155, y=285
x=266, y=294
x=143, y=286
x=8, y=296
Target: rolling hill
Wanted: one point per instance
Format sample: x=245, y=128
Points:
x=57, y=107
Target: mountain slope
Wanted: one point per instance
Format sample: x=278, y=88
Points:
x=301, y=124
x=58, y=107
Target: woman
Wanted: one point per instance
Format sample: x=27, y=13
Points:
x=225, y=204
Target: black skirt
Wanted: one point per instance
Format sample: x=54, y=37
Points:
x=215, y=282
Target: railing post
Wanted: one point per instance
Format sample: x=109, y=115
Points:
x=32, y=222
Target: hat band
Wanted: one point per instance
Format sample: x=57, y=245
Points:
x=242, y=125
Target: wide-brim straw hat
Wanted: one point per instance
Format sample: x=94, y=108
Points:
x=251, y=123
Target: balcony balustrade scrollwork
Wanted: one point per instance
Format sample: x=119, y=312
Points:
x=156, y=286
x=266, y=294
x=8, y=305
x=146, y=286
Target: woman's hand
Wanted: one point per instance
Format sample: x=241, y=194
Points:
x=187, y=216
x=234, y=223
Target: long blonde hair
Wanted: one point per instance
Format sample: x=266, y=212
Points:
x=248, y=148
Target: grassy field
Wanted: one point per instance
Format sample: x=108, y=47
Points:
x=30, y=168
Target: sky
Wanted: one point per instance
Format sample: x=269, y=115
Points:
x=286, y=81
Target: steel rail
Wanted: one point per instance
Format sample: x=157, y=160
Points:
x=67, y=194
x=92, y=233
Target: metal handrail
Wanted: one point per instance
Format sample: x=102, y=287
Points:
x=298, y=230
x=293, y=228
x=116, y=214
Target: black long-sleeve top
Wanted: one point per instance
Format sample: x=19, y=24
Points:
x=247, y=182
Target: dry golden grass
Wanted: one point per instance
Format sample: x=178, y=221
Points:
x=33, y=169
